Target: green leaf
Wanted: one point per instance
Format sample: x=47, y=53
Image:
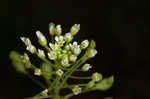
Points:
x=105, y=84
x=91, y=84
x=46, y=70
x=17, y=62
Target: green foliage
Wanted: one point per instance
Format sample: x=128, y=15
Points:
x=105, y=84
x=16, y=61
x=46, y=70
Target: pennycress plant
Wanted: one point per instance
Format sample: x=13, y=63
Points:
x=60, y=60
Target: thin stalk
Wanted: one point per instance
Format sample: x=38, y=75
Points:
x=36, y=81
x=75, y=77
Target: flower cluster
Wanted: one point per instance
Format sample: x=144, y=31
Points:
x=61, y=58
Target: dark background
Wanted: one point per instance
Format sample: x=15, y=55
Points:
x=121, y=29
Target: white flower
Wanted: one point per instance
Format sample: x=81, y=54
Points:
x=73, y=58
x=54, y=46
x=65, y=62
x=60, y=40
x=58, y=30
x=45, y=92
x=86, y=67
x=92, y=52
x=59, y=72
x=41, y=53
x=77, y=90
x=84, y=44
x=74, y=45
x=31, y=49
x=37, y=72
x=52, y=55
x=68, y=37
x=42, y=39
x=96, y=77
x=26, y=41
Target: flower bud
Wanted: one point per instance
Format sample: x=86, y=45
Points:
x=58, y=30
x=60, y=40
x=68, y=37
x=41, y=38
x=59, y=72
x=54, y=46
x=77, y=51
x=92, y=44
x=64, y=51
x=92, y=53
x=96, y=77
x=84, y=44
x=73, y=58
x=45, y=92
x=26, y=41
x=52, y=55
x=76, y=90
x=31, y=49
x=25, y=58
x=74, y=29
x=41, y=53
x=67, y=47
x=37, y=72
x=65, y=62
x=52, y=29
x=86, y=67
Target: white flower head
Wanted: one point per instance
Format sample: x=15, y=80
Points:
x=26, y=41
x=31, y=49
x=37, y=72
x=68, y=37
x=77, y=90
x=86, y=67
x=54, y=46
x=73, y=58
x=41, y=53
x=60, y=40
x=65, y=62
x=59, y=72
x=84, y=44
x=52, y=55
x=92, y=53
x=45, y=92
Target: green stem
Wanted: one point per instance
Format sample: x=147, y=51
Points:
x=71, y=86
x=57, y=88
x=75, y=77
x=71, y=94
x=73, y=68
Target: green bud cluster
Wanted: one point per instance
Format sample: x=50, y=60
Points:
x=61, y=58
